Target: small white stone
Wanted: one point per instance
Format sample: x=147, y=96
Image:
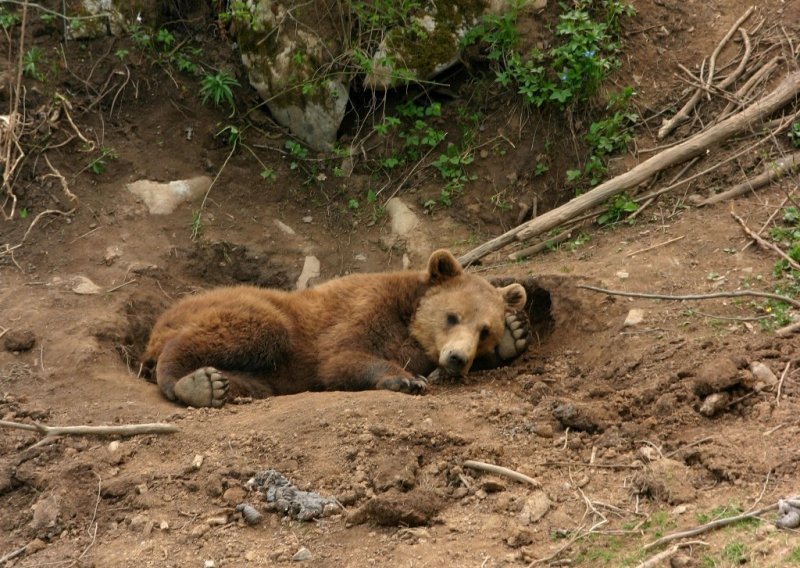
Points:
x=302, y=554
x=308, y=219
x=197, y=462
x=311, y=270
x=209, y=564
x=634, y=317
x=622, y=275
x=284, y=227
x=83, y=286
x=113, y=446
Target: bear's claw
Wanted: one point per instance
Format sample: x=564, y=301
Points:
x=516, y=338
x=414, y=385
x=204, y=387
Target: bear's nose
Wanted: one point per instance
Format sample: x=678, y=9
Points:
x=456, y=361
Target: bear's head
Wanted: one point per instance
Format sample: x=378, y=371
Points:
x=461, y=316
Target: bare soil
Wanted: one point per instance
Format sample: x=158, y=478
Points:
x=605, y=417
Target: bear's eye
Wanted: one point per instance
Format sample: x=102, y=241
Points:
x=452, y=319
x=484, y=332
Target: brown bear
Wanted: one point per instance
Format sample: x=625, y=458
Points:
x=358, y=332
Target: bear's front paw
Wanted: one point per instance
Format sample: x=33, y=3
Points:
x=516, y=338
x=205, y=387
x=413, y=385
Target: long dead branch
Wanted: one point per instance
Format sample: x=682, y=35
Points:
x=703, y=142
x=500, y=470
x=773, y=171
x=710, y=526
x=51, y=432
x=712, y=295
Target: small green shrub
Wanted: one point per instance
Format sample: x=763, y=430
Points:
x=619, y=207
x=218, y=88
x=794, y=134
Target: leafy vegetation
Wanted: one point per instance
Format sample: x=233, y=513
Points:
x=794, y=134
x=573, y=69
x=30, y=60
x=98, y=165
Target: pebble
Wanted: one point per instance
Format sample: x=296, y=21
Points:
x=764, y=376
x=85, y=287
x=209, y=564
x=197, y=462
x=164, y=526
x=217, y=521
x=19, y=340
x=308, y=219
x=138, y=523
x=622, y=275
x=113, y=446
x=302, y=555
x=634, y=317
x=284, y=227
x=714, y=403
x=34, y=546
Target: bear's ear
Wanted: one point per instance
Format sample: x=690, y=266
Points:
x=514, y=295
x=443, y=266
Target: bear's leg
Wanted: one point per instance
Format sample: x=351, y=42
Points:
x=247, y=348
x=356, y=370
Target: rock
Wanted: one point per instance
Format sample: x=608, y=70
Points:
x=519, y=537
x=163, y=525
x=302, y=555
x=138, y=523
x=311, y=270
x=715, y=376
x=534, y=508
x=83, y=286
x=163, y=198
x=622, y=275
x=19, y=340
x=634, y=317
x=580, y=417
x=234, y=495
x=217, y=521
x=197, y=462
x=112, y=254
x=543, y=429
x=403, y=219
x=391, y=509
x=715, y=403
x=308, y=219
x=209, y=564
x=284, y=227
x=407, y=231
x=35, y=546
x=113, y=446
x=666, y=480
x=45, y=512
x=765, y=378
x=95, y=19
x=288, y=499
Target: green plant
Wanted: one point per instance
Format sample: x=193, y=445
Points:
x=540, y=169
x=164, y=38
x=794, y=556
x=353, y=204
x=794, y=133
x=121, y=54
x=184, y=59
x=23, y=213
x=619, y=207
x=269, y=175
x=30, y=60
x=218, y=88
x=98, y=165
x=588, y=34
x=197, y=224
x=8, y=19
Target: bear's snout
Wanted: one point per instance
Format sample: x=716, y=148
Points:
x=455, y=362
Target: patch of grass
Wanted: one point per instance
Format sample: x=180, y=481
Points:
x=794, y=556
x=8, y=19
x=734, y=552
x=218, y=88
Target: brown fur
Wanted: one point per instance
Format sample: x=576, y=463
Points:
x=353, y=333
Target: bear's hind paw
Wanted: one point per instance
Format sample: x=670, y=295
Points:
x=204, y=387
x=516, y=338
x=413, y=385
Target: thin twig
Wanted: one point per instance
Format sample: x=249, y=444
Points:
x=764, y=243
x=500, y=470
x=710, y=526
x=668, y=553
x=12, y=555
x=689, y=445
x=735, y=294
x=655, y=246
x=780, y=382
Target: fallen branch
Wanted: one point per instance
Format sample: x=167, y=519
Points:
x=773, y=171
x=764, y=243
x=646, y=249
x=788, y=330
x=12, y=555
x=735, y=294
x=539, y=247
x=710, y=526
x=500, y=470
x=51, y=432
x=699, y=144
x=668, y=553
